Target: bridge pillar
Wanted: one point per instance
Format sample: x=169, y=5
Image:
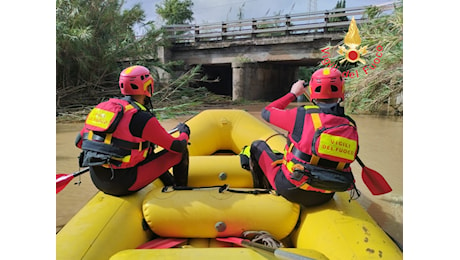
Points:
x=237, y=80
x=263, y=81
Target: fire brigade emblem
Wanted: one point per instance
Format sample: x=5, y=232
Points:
x=352, y=40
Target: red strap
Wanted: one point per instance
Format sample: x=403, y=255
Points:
x=160, y=242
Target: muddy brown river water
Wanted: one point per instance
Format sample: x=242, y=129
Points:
x=381, y=149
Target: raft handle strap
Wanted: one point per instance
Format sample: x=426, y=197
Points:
x=273, y=135
x=221, y=188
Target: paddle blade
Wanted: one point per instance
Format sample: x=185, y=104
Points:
x=62, y=180
x=234, y=240
x=375, y=182
x=160, y=243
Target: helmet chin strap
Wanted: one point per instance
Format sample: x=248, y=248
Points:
x=314, y=101
x=148, y=104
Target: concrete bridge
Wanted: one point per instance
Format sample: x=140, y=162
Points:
x=259, y=58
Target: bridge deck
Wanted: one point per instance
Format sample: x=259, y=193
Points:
x=321, y=22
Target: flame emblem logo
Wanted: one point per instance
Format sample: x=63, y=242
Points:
x=352, y=41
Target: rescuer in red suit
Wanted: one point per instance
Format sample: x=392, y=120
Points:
x=120, y=135
x=321, y=143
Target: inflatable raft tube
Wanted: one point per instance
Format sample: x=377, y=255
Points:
x=105, y=225
x=229, y=130
x=347, y=226
x=217, y=253
x=210, y=213
x=218, y=170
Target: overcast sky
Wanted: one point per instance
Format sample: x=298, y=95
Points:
x=206, y=11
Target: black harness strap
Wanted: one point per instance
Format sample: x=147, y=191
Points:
x=100, y=137
x=299, y=121
x=298, y=126
x=322, y=162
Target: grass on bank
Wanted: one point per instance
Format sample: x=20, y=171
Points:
x=378, y=88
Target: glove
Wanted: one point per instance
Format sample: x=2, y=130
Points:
x=183, y=128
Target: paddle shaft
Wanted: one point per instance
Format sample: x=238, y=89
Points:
x=75, y=174
x=250, y=244
x=281, y=254
x=360, y=162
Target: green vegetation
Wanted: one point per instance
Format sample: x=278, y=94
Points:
x=175, y=11
x=380, y=80
x=169, y=100
x=385, y=82
x=95, y=41
x=177, y=98
x=339, y=5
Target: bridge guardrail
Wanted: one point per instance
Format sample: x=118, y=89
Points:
x=327, y=21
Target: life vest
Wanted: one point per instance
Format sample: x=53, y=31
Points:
x=319, y=151
x=107, y=140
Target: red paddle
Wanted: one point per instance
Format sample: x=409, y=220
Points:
x=374, y=180
x=159, y=243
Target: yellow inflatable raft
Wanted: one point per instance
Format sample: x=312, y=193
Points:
x=225, y=205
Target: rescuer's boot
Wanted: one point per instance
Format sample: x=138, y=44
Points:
x=180, y=170
x=258, y=177
x=167, y=179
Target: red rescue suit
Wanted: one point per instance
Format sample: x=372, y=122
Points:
x=321, y=139
x=118, y=142
x=304, y=149
x=124, y=149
